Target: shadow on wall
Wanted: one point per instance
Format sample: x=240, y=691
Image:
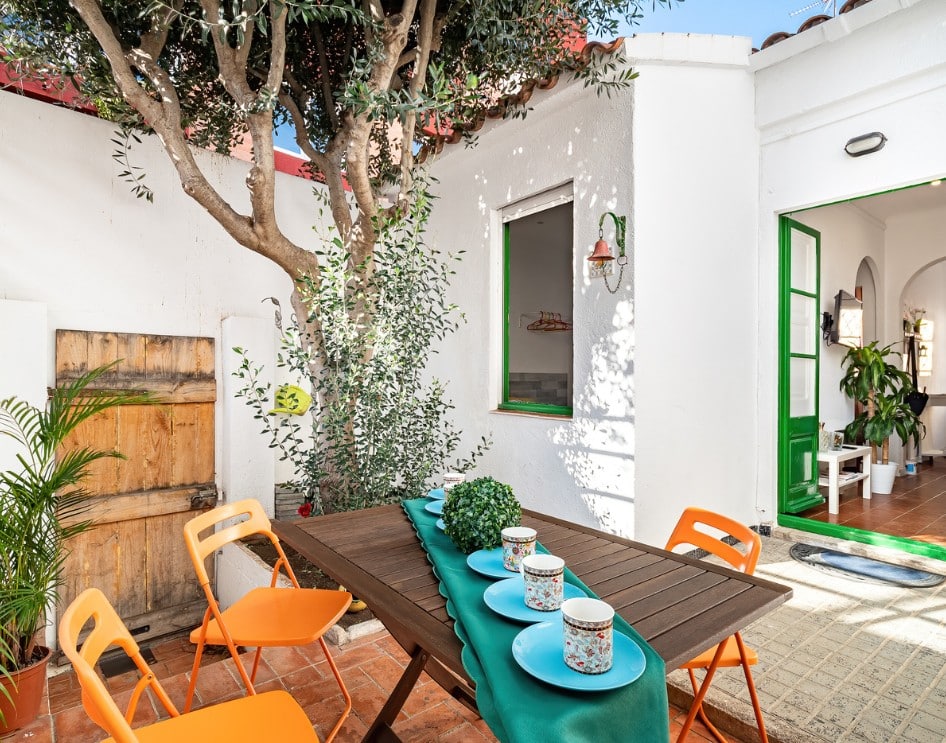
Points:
x=597, y=446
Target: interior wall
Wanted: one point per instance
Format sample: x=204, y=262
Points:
x=848, y=237
x=928, y=290
x=541, y=258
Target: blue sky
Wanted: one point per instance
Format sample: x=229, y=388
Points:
x=758, y=19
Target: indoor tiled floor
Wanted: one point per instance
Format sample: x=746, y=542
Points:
x=916, y=508
x=370, y=667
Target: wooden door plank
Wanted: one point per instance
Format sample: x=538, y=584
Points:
x=159, y=356
x=164, y=535
x=204, y=358
x=108, y=509
x=145, y=432
x=131, y=351
x=72, y=353
x=98, y=432
x=112, y=559
x=103, y=349
x=182, y=356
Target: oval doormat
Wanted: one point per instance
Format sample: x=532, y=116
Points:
x=863, y=569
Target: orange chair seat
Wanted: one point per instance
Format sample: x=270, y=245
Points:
x=269, y=617
x=247, y=719
x=730, y=657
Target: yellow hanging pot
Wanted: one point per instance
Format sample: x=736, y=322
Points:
x=291, y=400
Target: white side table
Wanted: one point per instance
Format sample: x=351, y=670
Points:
x=834, y=481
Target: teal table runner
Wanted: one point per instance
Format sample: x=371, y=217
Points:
x=517, y=707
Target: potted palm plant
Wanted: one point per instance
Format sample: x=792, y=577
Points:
x=41, y=501
x=880, y=387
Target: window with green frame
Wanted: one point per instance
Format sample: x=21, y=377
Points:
x=538, y=281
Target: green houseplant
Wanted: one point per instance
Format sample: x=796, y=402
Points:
x=476, y=512
x=41, y=503
x=881, y=387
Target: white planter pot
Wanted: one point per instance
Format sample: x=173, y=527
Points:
x=882, y=477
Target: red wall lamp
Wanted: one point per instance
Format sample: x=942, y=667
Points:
x=601, y=255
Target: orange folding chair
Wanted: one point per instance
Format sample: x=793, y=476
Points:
x=271, y=716
x=266, y=616
x=732, y=651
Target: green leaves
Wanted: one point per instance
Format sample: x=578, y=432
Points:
x=476, y=512
x=871, y=378
x=380, y=427
x=42, y=503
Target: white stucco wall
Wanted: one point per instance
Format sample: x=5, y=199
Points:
x=695, y=154
x=22, y=362
x=79, y=245
x=581, y=468
x=881, y=68
x=635, y=155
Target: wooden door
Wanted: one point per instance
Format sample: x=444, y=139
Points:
x=135, y=553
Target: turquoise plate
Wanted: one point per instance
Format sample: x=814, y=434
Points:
x=538, y=650
x=507, y=598
x=435, y=506
x=489, y=563
x=440, y=525
x=436, y=494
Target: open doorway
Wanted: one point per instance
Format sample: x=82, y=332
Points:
x=888, y=250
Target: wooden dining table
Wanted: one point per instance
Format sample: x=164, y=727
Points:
x=680, y=605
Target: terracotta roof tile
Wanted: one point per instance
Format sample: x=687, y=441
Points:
x=815, y=20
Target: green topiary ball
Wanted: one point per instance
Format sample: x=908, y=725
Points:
x=476, y=512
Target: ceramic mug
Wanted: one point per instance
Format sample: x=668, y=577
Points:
x=544, y=577
x=518, y=542
x=588, y=627
x=452, y=478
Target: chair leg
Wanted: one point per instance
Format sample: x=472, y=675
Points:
x=701, y=693
x=192, y=686
x=345, y=694
x=752, y=692
x=256, y=657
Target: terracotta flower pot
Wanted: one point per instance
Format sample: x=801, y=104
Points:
x=26, y=693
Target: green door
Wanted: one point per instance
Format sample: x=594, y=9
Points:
x=799, y=332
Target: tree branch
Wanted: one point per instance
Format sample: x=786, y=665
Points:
x=326, y=85
x=429, y=28
x=227, y=58
x=152, y=42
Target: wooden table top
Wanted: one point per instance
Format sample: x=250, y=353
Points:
x=681, y=606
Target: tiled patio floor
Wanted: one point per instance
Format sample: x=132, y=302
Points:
x=370, y=666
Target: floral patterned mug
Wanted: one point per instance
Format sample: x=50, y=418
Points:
x=518, y=542
x=544, y=577
x=588, y=626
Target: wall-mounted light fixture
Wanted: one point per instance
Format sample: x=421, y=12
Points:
x=602, y=255
x=865, y=144
x=846, y=326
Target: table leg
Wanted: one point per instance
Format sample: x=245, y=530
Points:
x=380, y=729
x=833, y=485
x=865, y=483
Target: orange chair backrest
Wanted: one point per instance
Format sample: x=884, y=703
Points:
x=686, y=532
x=107, y=630
x=200, y=547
